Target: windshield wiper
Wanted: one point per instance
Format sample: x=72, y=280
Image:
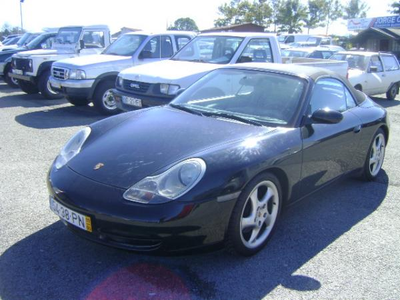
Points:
x=185, y=108
x=233, y=117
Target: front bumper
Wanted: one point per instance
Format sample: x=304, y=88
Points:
x=75, y=88
x=145, y=101
x=23, y=76
x=172, y=226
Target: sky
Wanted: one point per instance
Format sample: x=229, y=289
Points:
x=152, y=15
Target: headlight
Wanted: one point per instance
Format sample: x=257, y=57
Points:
x=172, y=184
x=169, y=89
x=77, y=74
x=119, y=81
x=72, y=147
x=30, y=63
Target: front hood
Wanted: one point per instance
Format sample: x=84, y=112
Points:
x=91, y=60
x=151, y=140
x=167, y=71
x=39, y=52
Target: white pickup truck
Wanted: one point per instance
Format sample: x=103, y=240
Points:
x=96, y=74
x=32, y=68
x=373, y=73
x=158, y=83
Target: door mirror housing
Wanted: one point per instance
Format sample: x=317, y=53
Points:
x=326, y=116
x=82, y=44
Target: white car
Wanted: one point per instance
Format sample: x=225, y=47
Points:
x=373, y=73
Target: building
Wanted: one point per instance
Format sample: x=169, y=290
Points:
x=379, y=39
x=124, y=30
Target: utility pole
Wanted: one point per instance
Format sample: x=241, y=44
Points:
x=20, y=11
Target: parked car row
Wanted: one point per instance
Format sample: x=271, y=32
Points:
x=242, y=133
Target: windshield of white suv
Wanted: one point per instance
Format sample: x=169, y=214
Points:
x=68, y=35
x=126, y=45
x=210, y=49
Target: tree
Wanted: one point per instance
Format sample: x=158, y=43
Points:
x=291, y=15
x=355, y=9
x=243, y=11
x=333, y=11
x=395, y=8
x=7, y=29
x=187, y=24
x=275, y=6
x=316, y=14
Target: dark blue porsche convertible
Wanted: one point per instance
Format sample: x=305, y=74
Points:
x=219, y=162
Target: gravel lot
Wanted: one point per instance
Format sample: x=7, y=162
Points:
x=342, y=243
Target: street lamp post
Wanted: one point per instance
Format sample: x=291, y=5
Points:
x=20, y=11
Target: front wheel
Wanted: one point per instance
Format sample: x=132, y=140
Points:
x=255, y=215
x=392, y=92
x=11, y=81
x=28, y=87
x=375, y=157
x=103, y=99
x=45, y=88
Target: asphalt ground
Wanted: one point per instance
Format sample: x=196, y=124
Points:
x=342, y=243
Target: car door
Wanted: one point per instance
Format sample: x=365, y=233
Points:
x=328, y=149
x=157, y=48
x=375, y=79
x=392, y=72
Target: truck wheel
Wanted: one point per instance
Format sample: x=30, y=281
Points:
x=77, y=101
x=45, y=87
x=12, y=82
x=103, y=100
x=28, y=87
x=392, y=92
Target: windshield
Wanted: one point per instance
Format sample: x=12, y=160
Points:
x=354, y=61
x=210, y=49
x=68, y=35
x=267, y=98
x=125, y=45
x=22, y=41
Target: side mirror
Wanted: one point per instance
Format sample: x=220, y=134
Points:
x=326, y=116
x=82, y=44
x=145, y=54
x=373, y=69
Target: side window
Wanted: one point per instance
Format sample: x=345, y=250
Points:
x=257, y=50
x=290, y=39
x=316, y=54
x=166, y=47
x=328, y=94
x=390, y=63
x=376, y=62
x=350, y=102
x=93, y=39
x=152, y=48
x=181, y=41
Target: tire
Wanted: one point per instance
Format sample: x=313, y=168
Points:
x=12, y=82
x=45, y=87
x=392, y=92
x=375, y=157
x=28, y=87
x=103, y=100
x=77, y=101
x=253, y=221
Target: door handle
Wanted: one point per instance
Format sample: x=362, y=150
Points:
x=383, y=75
x=357, y=129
